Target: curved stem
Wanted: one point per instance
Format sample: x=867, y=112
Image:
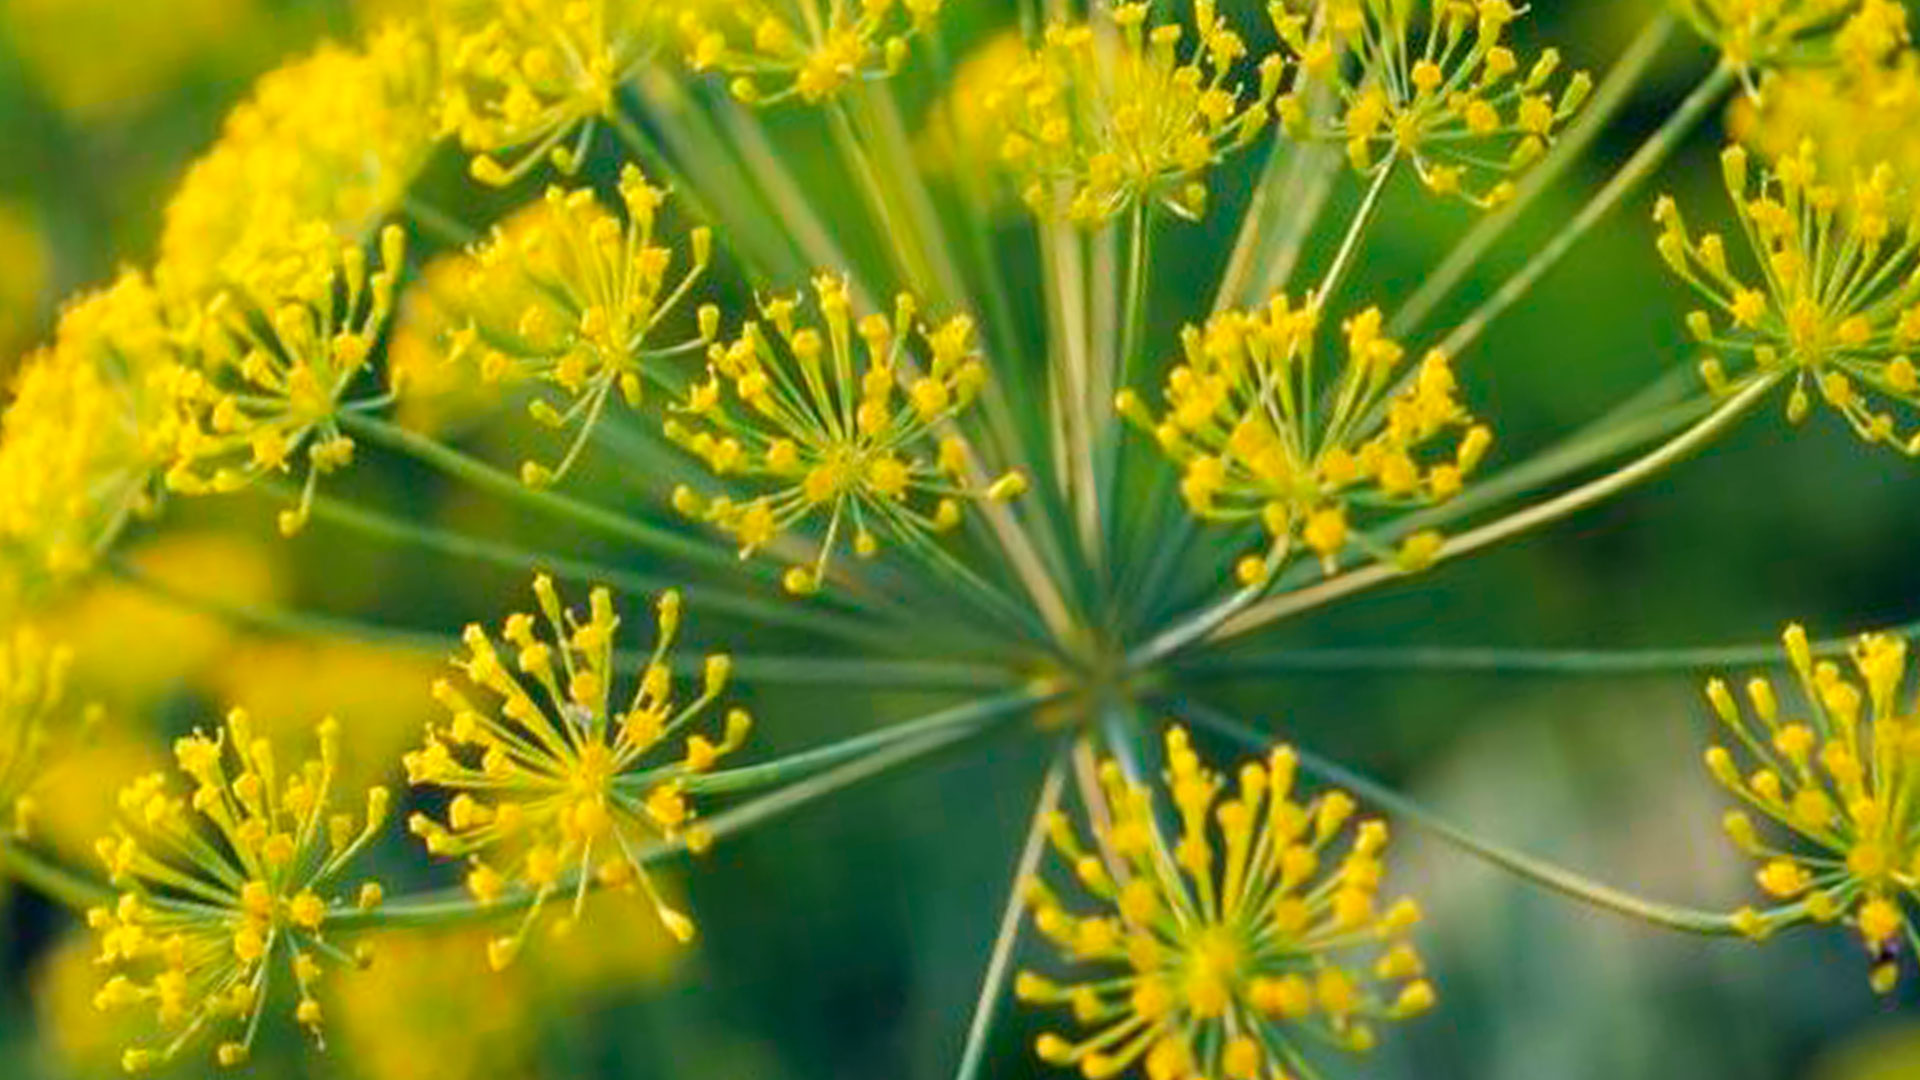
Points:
x=1544, y=874
x=51, y=879
x=1613, y=93
x=1631, y=175
x=1533, y=517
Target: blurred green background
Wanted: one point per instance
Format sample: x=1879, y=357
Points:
x=848, y=941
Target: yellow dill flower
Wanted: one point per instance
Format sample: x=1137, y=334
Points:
x=1839, y=779
x=569, y=295
x=335, y=137
x=780, y=49
x=1764, y=33
x=437, y=388
x=1229, y=951
x=24, y=252
x=1106, y=115
x=1835, y=303
x=1856, y=118
x=33, y=683
x=277, y=351
x=524, y=76
x=1431, y=82
x=91, y=423
x=154, y=47
x=842, y=422
x=563, y=794
x=1254, y=443
x=224, y=885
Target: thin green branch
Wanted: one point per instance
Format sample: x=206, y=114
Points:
x=1544, y=874
x=51, y=879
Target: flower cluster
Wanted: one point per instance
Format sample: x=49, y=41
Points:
x=1766, y=33
x=1254, y=444
x=1229, y=950
x=335, y=138
x=1431, y=82
x=1856, y=118
x=781, y=49
x=569, y=295
x=1837, y=300
x=575, y=791
x=522, y=76
x=276, y=351
x=1107, y=115
x=845, y=423
x=226, y=885
x=1839, y=779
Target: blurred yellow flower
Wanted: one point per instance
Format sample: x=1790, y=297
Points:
x=23, y=288
x=154, y=46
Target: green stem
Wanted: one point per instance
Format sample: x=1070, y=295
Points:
x=451, y=906
x=448, y=229
x=1607, y=100
x=1356, y=231
x=1538, y=872
x=1000, y=962
x=1631, y=175
x=51, y=879
x=1533, y=517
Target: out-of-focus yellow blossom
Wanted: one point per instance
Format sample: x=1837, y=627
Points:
x=1840, y=779
x=961, y=138
x=333, y=138
x=379, y=695
x=462, y=1022
x=524, y=76
x=71, y=814
x=113, y=624
x=1430, y=82
x=438, y=388
x=1106, y=115
x=72, y=1034
x=33, y=682
x=154, y=46
x=810, y=49
x=1835, y=303
x=562, y=795
x=1234, y=950
x=1778, y=33
x=841, y=422
x=569, y=295
x=225, y=884
x=1856, y=119
x=23, y=251
x=1245, y=422
x=278, y=350
x=92, y=420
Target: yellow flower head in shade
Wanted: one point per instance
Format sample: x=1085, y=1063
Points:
x=850, y=423
x=1431, y=82
x=1225, y=953
x=1834, y=301
x=1767, y=33
x=33, y=682
x=92, y=421
x=565, y=789
x=225, y=887
x=1255, y=442
x=336, y=137
x=810, y=49
x=571, y=296
x=278, y=350
x=521, y=77
x=1857, y=119
x=1839, y=779
x=1106, y=115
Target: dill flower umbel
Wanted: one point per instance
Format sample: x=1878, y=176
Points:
x=1228, y=951
x=1242, y=423
x=1430, y=81
x=1837, y=299
x=278, y=350
x=225, y=887
x=571, y=296
x=523, y=76
x=1838, y=779
x=843, y=423
x=1856, y=118
x=1104, y=116
x=781, y=49
x=1761, y=33
x=33, y=682
x=577, y=790
x=335, y=137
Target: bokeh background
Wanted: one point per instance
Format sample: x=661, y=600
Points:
x=848, y=941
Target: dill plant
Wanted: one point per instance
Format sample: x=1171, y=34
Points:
x=868, y=463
